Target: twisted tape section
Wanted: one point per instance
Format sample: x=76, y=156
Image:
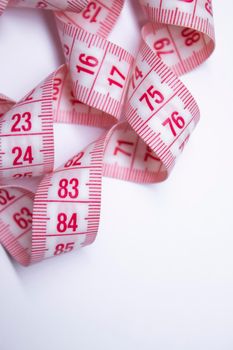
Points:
x=159, y=108
x=30, y=222
x=99, y=84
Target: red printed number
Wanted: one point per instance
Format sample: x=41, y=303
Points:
x=20, y=176
x=151, y=94
x=22, y=157
x=175, y=121
x=23, y=218
x=150, y=155
x=74, y=161
x=191, y=36
x=68, y=188
x=56, y=87
x=121, y=146
x=29, y=97
x=119, y=76
x=87, y=61
x=63, y=223
x=159, y=46
x=91, y=12
x=208, y=7
x=22, y=122
x=63, y=248
x=135, y=76
x=5, y=197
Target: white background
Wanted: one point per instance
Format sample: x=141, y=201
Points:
x=160, y=274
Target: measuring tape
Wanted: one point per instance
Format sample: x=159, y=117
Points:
x=147, y=110
x=55, y=5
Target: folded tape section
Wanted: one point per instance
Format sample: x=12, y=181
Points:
x=148, y=112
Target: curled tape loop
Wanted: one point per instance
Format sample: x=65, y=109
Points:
x=147, y=110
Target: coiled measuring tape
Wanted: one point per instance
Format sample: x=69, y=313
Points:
x=147, y=113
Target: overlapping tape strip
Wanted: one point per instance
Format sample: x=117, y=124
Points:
x=146, y=111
